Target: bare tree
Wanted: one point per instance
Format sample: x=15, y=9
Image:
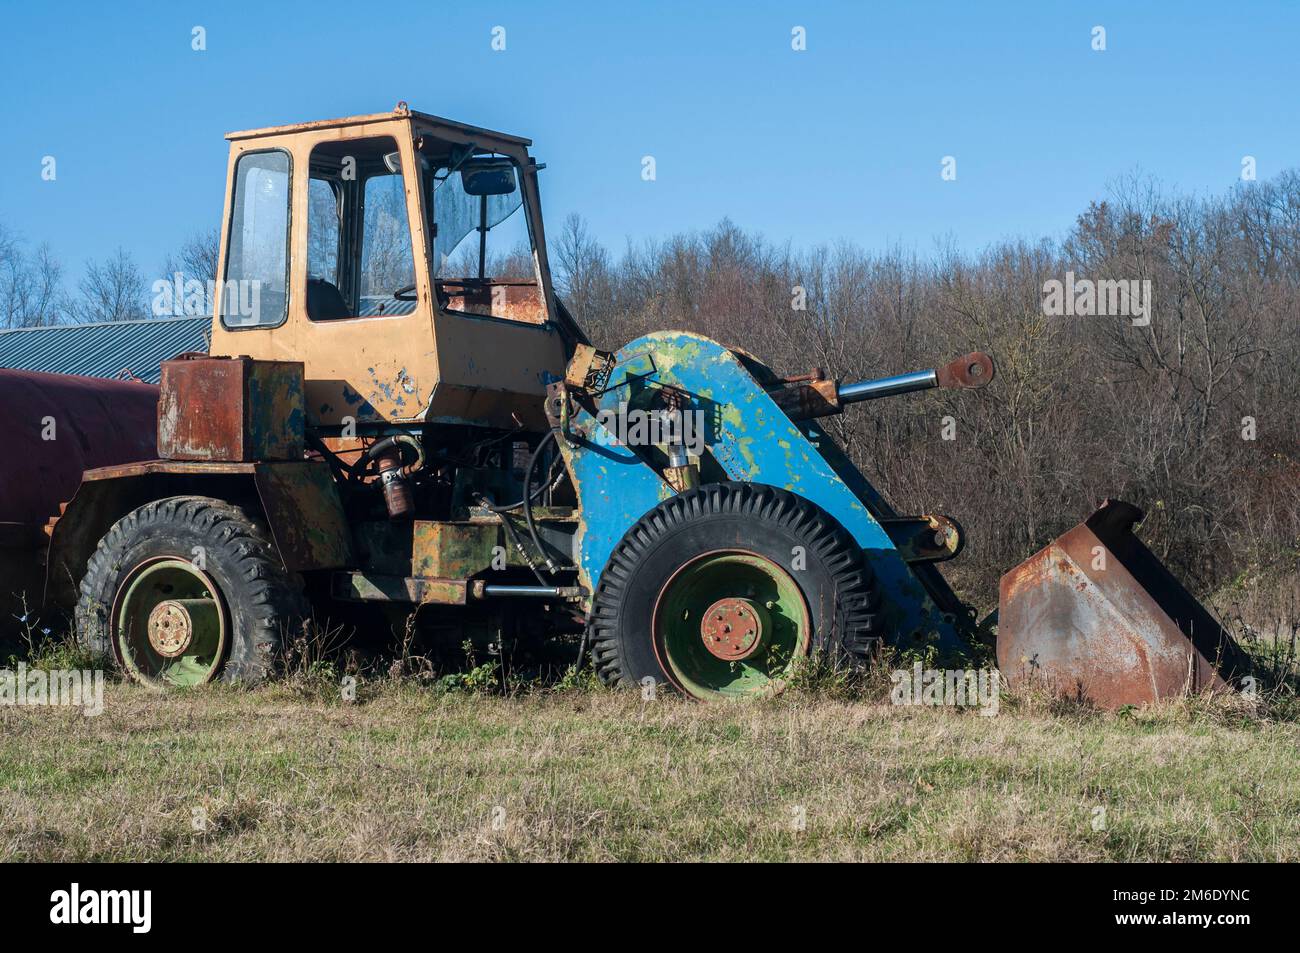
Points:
x=582, y=267
x=112, y=290
x=29, y=284
x=196, y=259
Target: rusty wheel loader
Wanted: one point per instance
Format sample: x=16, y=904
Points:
x=397, y=410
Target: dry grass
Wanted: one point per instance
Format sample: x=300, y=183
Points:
x=408, y=774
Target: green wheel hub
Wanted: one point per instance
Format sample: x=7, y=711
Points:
x=730, y=624
x=169, y=624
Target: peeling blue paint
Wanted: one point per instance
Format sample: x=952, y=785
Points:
x=752, y=440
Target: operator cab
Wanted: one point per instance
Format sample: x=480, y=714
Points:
x=401, y=258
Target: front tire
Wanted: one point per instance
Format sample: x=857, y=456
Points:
x=721, y=591
x=188, y=590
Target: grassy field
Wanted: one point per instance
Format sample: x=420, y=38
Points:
x=291, y=772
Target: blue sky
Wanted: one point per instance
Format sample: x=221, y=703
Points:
x=841, y=141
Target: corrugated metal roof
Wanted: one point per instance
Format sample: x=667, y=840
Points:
x=114, y=349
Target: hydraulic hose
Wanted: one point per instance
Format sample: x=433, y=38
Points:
x=536, y=491
x=388, y=443
x=530, y=494
x=528, y=501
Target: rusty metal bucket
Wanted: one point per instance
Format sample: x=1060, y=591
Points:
x=1096, y=616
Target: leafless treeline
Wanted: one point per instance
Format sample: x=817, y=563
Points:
x=1193, y=417
x=114, y=288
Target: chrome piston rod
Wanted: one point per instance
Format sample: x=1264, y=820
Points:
x=533, y=592
x=887, y=386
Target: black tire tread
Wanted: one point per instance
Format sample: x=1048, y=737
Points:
x=269, y=597
x=824, y=536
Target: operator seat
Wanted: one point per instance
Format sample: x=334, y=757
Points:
x=325, y=301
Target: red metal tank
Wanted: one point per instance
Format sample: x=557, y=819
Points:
x=60, y=425
x=56, y=426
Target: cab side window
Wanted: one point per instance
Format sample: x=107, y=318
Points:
x=324, y=230
x=257, y=258
x=360, y=259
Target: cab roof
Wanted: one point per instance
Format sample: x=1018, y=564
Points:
x=401, y=112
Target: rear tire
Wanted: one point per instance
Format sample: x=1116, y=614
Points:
x=188, y=590
x=786, y=574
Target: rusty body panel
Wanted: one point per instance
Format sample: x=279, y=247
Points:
x=433, y=364
x=178, y=467
x=451, y=550
x=371, y=587
x=305, y=514
x=1096, y=616
x=457, y=549
x=515, y=300
x=235, y=410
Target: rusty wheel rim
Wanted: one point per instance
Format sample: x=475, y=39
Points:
x=730, y=624
x=169, y=624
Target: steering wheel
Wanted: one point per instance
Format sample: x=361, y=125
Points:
x=405, y=293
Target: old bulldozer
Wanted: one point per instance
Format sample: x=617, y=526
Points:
x=397, y=411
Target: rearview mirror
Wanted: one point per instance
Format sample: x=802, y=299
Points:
x=393, y=160
x=487, y=176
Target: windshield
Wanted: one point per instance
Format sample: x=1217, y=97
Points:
x=458, y=214
x=483, y=257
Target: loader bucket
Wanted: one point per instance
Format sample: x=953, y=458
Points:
x=1096, y=616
